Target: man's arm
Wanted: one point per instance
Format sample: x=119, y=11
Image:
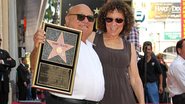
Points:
x=160, y=83
x=7, y=61
x=39, y=38
x=158, y=66
x=33, y=58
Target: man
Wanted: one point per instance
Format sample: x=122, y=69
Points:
x=150, y=72
x=134, y=38
x=89, y=80
x=176, y=75
x=23, y=81
x=6, y=63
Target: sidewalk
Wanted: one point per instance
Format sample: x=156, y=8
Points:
x=29, y=102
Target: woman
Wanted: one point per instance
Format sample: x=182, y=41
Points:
x=163, y=97
x=117, y=55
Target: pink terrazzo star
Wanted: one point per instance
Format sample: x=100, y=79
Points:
x=59, y=48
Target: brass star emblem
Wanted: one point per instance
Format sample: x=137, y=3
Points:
x=96, y=11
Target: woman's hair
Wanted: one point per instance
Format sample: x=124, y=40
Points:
x=159, y=56
x=122, y=8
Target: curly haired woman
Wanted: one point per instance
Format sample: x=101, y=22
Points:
x=117, y=55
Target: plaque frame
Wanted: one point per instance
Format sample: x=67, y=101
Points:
x=57, y=59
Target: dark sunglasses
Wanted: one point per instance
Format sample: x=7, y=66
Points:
x=81, y=17
x=117, y=20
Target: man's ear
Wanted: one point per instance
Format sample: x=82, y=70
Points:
x=179, y=50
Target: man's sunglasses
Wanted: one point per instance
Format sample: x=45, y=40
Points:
x=117, y=20
x=81, y=17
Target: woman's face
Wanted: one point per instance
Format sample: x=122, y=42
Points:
x=114, y=22
x=160, y=59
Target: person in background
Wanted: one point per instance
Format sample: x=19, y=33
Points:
x=151, y=74
x=23, y=81
x=89, y=79
x=6, y=63
x=176, y=75
x=163, y=97
x=117, y=55
x=29, y=78
x=134, y=38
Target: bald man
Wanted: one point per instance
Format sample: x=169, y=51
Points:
x=89, y=80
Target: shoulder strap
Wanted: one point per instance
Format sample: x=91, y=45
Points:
x=96, y=38
x=128, y=47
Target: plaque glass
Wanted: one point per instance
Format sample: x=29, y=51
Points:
x=57, y=59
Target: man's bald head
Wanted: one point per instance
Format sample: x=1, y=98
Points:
x=78, y=7
x=80, y=17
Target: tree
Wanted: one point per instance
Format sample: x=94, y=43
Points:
x=51, y=14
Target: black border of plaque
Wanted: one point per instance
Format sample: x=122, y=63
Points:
x=56, y=66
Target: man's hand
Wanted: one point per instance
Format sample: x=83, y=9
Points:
x=160, y=89
x=39, y=37
x=25, y=84
x=9, y=59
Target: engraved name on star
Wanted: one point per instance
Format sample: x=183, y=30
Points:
x=59, y=48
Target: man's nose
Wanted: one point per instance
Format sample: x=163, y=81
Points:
x=86, y=20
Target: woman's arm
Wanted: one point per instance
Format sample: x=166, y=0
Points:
x=135, y=79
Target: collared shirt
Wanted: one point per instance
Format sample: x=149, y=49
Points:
x=176, y=77
x=133, y=37
x=153, y=70
x=89, y=80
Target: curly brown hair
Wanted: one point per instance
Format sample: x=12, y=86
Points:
x=123, y=8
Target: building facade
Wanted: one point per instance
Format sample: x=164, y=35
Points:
x=159, y=21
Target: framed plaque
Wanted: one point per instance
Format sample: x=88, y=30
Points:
x=57, y=59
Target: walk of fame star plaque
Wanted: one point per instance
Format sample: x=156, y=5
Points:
x=57, y=59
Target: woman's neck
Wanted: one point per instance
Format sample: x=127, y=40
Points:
x=111, y=37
